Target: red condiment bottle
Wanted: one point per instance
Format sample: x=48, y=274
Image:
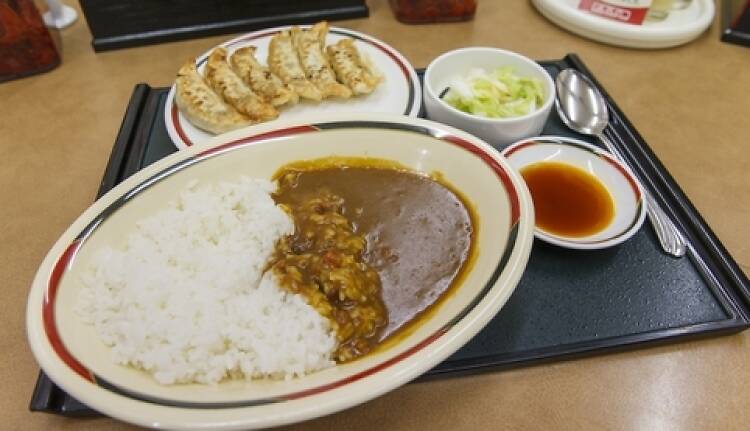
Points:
x=426, y=11
x=26, y=46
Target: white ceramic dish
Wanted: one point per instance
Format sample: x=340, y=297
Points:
x=399, y=93
x=73, y=357
x=497, y=131
x=681, y=26
x=624, y=188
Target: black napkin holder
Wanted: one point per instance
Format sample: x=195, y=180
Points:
x=128, y=23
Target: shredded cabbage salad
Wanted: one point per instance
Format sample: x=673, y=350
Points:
x=496, y=94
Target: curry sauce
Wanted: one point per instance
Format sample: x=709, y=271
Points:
x=374, y=246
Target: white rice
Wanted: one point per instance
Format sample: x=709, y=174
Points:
x=187, y=301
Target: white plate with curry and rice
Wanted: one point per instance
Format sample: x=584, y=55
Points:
x=281, y=272
x=397, y=90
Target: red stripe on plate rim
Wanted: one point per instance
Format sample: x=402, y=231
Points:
x=278, y=133
x=178, y=126
x=48, y=312
x=394, y=57
x=499, y=171
x=624, y=172
x=518, y=147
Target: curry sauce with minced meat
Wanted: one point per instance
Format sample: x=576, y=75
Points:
x=374, y=246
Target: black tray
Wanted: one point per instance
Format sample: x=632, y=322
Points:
x=568, y=303
x=735, y=21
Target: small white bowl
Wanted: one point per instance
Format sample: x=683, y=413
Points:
x=624, y=188
x=497, y=131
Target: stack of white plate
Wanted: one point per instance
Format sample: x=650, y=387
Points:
x=681, y=26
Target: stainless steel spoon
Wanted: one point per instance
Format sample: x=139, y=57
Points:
x=583, y=108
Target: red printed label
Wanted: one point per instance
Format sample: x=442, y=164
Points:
x=620, y=11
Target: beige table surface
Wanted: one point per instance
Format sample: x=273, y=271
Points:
x=690, y=103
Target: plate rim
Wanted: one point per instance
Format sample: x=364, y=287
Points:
x=476, y=318
x=413, y=110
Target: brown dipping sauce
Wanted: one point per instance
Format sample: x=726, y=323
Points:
x=417, y=231
x=568, y=201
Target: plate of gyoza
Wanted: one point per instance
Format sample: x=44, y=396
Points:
x=285, y=73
